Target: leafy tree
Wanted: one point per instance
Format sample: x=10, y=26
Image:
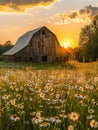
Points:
x=5, y=47
x=88, y=42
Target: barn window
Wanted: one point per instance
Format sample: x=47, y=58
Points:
x=43, y=32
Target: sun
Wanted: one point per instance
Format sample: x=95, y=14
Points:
x=66, y=44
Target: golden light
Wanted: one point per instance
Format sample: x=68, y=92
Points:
x=66, y=45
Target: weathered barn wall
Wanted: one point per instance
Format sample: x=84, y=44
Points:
x=42, y=47
x=44, y=44
x=8, y=58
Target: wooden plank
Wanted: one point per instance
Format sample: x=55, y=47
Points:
x=0, y=115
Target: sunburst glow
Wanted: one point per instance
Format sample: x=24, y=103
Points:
x=66, y=45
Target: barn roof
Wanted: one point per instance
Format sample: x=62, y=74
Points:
x=22, y=42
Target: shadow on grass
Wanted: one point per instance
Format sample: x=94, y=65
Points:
x=37, y=66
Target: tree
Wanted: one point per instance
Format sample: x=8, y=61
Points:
x=5, y=47
x=89, y=41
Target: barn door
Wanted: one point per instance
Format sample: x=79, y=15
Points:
x=44, y=58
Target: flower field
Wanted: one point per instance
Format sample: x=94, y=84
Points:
x=49, y=99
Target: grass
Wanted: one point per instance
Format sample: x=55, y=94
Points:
x=49, y=96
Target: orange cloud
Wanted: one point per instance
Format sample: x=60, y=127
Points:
x=21, y=5
x=83, y=15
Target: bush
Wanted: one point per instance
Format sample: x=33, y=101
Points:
x=1, y=58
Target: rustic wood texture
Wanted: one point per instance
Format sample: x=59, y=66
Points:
x=43, y=46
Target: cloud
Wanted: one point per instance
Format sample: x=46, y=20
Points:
x=60, y=23
x=83, y=15
x=94, y=10
x=21, y=5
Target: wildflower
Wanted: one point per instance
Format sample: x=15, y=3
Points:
x=93, y=101
x=96, y=79
x=63, y=115
x=52, y=119
x=31, y=99
x=90, y=116
x=57, y=128
x=96, y=103
x=26, y=122
x=57, y=107
x=80, y=80
x=74, y=116
x=57, y=96
x=17, y=89
x=44, y=124
x=57, y=120
x=37, y=120
x=21, y=106
x=70, y=127
x=4, y=90
x=93, y=123
x=68, y=93
x=81, y=89
x=21, y=88
x=13, y=102
x=80, y=96
x=42, y=95
x=41, y=106
x=21, y=113
x=11, y=87
x=38, y=114
x=87, y=86
x=62, y=101
x=33, y=113
x=91, y=88
x=63, y=111
x=51, y=107
x=91, y=111
x=5, y=97
x=31, y=89
x=14, y=117
x=39, y=90
x=76, y=86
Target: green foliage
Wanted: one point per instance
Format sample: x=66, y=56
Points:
x=89, y=42
x=5, y=47
x=1, y=58
x=77, y=52
x=68, y=65
x=90, y=51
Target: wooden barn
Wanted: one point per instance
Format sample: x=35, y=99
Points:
x=35, y=46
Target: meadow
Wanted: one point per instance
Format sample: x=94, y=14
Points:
x=49, y=96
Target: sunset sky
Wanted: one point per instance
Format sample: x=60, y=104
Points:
x=64, y=17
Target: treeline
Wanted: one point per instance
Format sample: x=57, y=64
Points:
x=5, y=47
x=88, y=43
